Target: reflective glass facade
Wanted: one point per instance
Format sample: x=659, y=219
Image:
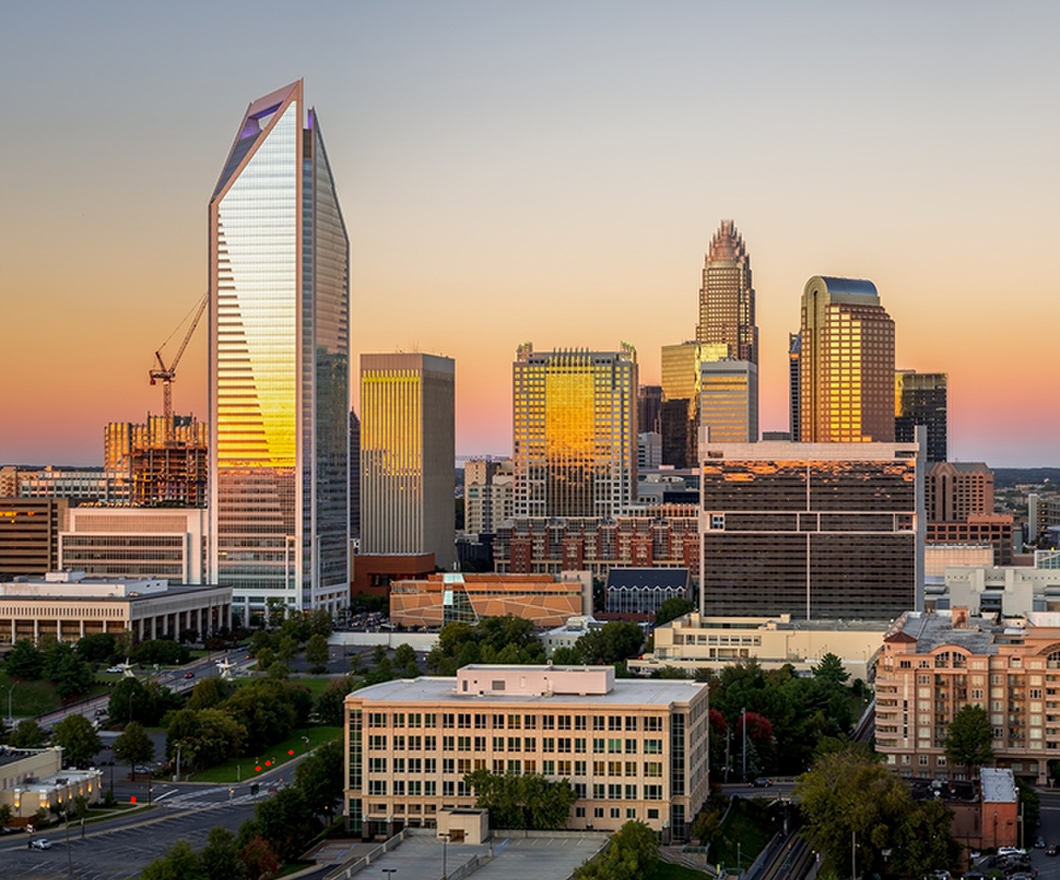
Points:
x=727, y=298
x=815, y=531
x=846, y=363
x=279, y=365
x=575, y=427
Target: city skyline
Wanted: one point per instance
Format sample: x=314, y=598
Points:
x=583, y=174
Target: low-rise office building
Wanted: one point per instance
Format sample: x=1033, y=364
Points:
x=67, y=606
x=695, y=642
x=630, y=749
x=34, y=779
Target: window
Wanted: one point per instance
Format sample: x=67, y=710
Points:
x=599, y=791
x=614, y=746
x=631, y=747
x=579, y=768
x=514, y=744
x=377, y=743
x=563, y=722
x=653, y=792
x=631, y=722
x=448, y=765
x=580, y=722
x=631, y=768
x=515, y=722
x=653, y=747
x=598, y=746
x=498, y=743
x=579, y=745
x=548, y=722
x=463, y=743
x=429, y=743
x=564, y=743
x=548, y=768
x=598, y=722
x=529, y=744
x=463, y=720
x=377, y=787
x=377, y=765
x=655, y=723
x=498, y=722
x=653, y=814
x=614, y=722
x=480, y=722
x=430, y=719
x=448, y=719
x=653, y=768
x=399, y=765
x=530, y=722
x=399, y=719
x=548, y=744
x=449, y=743
x=631, y=792
x=480, y=743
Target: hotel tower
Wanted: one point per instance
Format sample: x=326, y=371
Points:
x=279, y=365
x=846, y=363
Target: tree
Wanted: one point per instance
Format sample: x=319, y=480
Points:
x=611, y=643
x=830, y=669
x=220, y=857
x=205, y=737
x=258, y=858
x=530, y=801
x=286, y=821
x=404, y=655
x=319, y=778
x=209, y=692
x=631, y=854
x=329, y=706
x=25, y=661
x=1030, y=804
x=317, y=652
x=28, y=735
x=71, y=674
x=78, y=739
x=967, y=741
x=673, y=608
x=320, y=622
x=134, y=745
x=179, y=862
x=849, y=796
x=97, y=647
x=129, y=701
x=164, y=652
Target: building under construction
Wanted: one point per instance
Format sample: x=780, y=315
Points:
x=165, y=462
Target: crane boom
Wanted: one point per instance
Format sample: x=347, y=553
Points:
x=166, y=375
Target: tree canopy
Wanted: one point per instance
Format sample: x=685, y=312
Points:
x=507, y=639
x=632, y=854
x=968, y=738
x=78, y=739
x=528, y=801
x=673, y=608
x=134, y=746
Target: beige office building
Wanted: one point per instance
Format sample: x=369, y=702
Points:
x=408, y=455
x=630, y=749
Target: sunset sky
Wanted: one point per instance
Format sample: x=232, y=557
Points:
x=540, y=171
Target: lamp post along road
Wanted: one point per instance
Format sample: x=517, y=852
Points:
x=445, y=853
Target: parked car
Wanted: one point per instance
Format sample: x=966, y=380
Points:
x=115, y=670
x=1011, y=851
x=142, y=768
x=40, y=843
x=1039, y=843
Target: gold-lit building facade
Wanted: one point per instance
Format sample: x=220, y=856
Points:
x=922, y=399
x=408, y=455
x=279, y=365
x=575, y=432
x=728, y=400
x=846, y=363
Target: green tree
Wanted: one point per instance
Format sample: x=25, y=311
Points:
x=329, y=707
x=317, y=652
x=134, y=746
x=631, y=854
x=164, y=652
x=71, y=674
x=220, y=857
x=286, y=821
x=179, y=862
x=209, y=692
x=967, y=741
x=320, y=622
x=830, y=668
x=1031, y=806
x=28, y=735
x=404, y=654
x=129, y=701
x=97, y=647
x=611, y=643
x=673, y=608
x=530, y=801
x=319, y=778
x=923, y=839
x=205, y=737
x=266, y=709
x=78, y=739
x=25, y=661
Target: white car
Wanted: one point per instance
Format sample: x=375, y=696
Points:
x=1011, y=851
x=40, y=843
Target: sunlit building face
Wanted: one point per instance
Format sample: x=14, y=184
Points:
x=279, y=364
x=575, y=432
x=846, y=365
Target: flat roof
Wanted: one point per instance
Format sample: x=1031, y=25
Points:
x=652, y=692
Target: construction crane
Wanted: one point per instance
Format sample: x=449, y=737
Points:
x=166, y=375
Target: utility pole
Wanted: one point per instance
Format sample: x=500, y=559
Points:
x=743, y=714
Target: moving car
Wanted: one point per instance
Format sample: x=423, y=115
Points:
x=761, y=782
x=40, y=843
x=1052, y=850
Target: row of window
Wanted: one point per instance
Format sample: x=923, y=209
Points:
x=600, y=745
x=483, y=721
x=549, y=767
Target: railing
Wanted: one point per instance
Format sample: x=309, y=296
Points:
x=364, y=861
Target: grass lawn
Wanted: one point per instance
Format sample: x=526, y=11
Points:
x=666, y=871
x=32, y=698
x=243, y=769
x=743, y=827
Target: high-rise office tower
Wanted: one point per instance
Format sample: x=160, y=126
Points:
x=408, y=455
x=575, y=431
x=920, y=399
x=727, y=299
x=728, y=400
x=649, y=403
x=726, y=330
x=794, y=380
x=846, y=363
x=355, y=477
x=279, y=365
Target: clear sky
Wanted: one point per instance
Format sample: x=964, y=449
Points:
x=540, y=171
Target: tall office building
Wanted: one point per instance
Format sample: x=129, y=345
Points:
x=921, y=399
x=794, y=382
x=726, y=331
x=575, y=432
x=279, y=365
x=728, y=400
x=649, y=402
x=829, y=530
x=727, y=299
x=846, y=363
x=408, y=455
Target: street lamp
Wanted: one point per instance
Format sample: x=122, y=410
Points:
x=445, y=853
x=305, y=739
x=10, y=716
x=390, y=872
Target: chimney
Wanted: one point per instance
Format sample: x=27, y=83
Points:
x=960, y=617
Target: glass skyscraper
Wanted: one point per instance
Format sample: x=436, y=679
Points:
x=279, y=365
x=575, y=431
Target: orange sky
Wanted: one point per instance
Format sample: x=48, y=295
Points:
x=541, y=173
